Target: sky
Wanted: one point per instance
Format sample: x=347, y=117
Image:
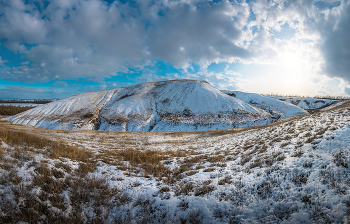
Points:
x=57, y=48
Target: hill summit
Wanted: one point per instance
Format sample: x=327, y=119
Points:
x=174, y=106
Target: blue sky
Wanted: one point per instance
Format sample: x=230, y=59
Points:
x=54, y=49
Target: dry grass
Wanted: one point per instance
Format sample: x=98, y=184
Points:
x=9, y=110
x=133, y=153
x=55, y=149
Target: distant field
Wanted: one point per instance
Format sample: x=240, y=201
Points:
x=9, y=110
x=24, y=101
x=20, y=104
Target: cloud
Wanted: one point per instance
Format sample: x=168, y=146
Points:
x=336, y=47
x=24, y=92
x=199, y=34
x=2, y=62
x=347, y=91
x=73, y=39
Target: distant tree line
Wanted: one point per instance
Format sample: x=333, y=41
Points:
x=36, y=101
x=9, y=110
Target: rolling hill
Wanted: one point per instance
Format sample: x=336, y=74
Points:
x=169, y=106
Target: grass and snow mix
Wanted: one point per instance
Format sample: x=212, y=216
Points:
x=293, y=171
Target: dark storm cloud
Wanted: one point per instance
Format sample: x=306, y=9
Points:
x=336, y=48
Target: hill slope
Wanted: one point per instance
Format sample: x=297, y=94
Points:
x=305, y=103
x=181, y=105
x=277, y=108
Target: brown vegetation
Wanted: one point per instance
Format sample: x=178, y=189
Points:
x=9, y=110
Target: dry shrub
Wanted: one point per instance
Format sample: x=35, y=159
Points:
x=191, y=172
x=183, y=205
x=194, y=217
x=204, y=188
x=340, y=159
x=281, y=157
x=307, y=165
x=225, y=180
x=284, y=144
x=264, y=189
x=164, y=189
x=310, y=139
x=245, y=159
x=246, y=147
x=269, y=161
x=10, y=177
x=90, y=188
x=190, y=161
x=157, y=170
x=256, y=163
x=210, y=169
x=46, y=181
x=183, y=188
x=321, y=131
x=215, y=159
x=65, y=167
x=221, y=165
x=299, y=178
x=85, y=168
x=297, y=154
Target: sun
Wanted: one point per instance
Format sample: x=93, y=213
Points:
x=294, y=73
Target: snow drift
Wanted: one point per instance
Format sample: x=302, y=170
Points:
x=180, y=105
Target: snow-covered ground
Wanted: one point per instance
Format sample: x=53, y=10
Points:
x=295, y=170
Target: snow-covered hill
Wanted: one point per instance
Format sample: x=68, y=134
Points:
x=305, y=103
x=277, y=108
x=181, y=105
x=75, y=112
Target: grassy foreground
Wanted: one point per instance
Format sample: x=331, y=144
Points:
x=297, y=167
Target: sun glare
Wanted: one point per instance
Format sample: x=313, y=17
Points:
x=293, y=73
